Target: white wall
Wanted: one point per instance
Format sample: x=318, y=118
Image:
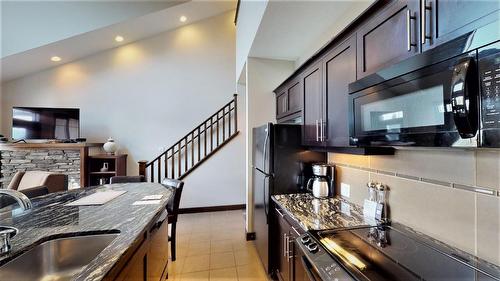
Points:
x=262, y=77
x=148, y=94
x=338, y=24
x=249, y=18
x=39, y=23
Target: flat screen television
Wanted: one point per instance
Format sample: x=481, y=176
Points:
x=45, y=123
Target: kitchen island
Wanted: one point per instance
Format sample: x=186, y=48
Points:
x=51, y=219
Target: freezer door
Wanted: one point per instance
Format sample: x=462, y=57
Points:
x=262, y=147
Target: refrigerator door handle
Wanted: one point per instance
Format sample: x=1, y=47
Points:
x=265, y=174
x=265, y=148
x=266, y=205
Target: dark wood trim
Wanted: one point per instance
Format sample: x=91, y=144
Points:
x=211, y=209
x=250, y=236
x=237, y=12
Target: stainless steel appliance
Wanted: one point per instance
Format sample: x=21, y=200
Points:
x=386, y=253
x=280, y=165
x=448, y=96
x=321, y=184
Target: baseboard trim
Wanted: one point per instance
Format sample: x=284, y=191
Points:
x=211, y=209
x=250, y=236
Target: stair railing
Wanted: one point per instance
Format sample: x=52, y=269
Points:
x=195, y=147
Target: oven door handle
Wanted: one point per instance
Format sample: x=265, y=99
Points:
x=307, y=268
x=464, y=95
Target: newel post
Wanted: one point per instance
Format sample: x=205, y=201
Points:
x=235, y=112
x=142, y=168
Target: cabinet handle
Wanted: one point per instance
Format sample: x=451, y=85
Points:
x=423, y=20
x=280, y=213
x=322, y=133
x=284, y=245
x=317, y=130
x=409, y=17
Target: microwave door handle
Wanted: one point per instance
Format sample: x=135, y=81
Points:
x=464, y=94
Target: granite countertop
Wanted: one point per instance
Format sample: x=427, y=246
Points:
x=50, y=219
x=318, y=214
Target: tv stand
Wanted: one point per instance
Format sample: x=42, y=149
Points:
x=19, y=151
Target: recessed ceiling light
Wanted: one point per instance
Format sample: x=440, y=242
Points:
x=118, y=38
x=183, y=18
x=55, y=58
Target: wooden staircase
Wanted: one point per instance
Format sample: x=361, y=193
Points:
x=195, y=147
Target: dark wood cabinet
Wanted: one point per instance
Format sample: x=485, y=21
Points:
x=158, y=252
x=284, y=266
x=339, y=70
x=289, y=100
x=289, y=265
x=444, y=20
x=314, y=105
x=388, y=38
x=117, y=166
x=136, y=267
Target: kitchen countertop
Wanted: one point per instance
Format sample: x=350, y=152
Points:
x=336, y=213
x=50, y=219
x=317, y=214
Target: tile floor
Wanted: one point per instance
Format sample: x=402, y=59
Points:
x=212, y=247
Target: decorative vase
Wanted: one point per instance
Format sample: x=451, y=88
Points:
x=105, y=167
x=110, y=146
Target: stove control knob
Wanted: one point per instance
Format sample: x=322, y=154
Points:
x=313, y=247
x=305, y=239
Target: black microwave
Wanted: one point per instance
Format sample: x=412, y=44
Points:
x=450, y=98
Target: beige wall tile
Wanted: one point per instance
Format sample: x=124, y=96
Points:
x=444, y=213
x=348, y=159
x=488, y=169
x=357, y=179
x=444, y=165
x=488, y=228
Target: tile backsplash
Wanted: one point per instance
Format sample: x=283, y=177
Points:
x=452, y=195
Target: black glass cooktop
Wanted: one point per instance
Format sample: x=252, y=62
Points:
x=388, y=253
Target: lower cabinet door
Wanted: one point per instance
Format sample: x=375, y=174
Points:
x=136, y=267
x=284, y=268
x=158, y=252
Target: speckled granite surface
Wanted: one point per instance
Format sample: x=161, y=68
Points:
x=317, y=214
x=51, y=219
x=334, y=213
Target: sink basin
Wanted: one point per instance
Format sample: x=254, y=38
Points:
x=57, y=259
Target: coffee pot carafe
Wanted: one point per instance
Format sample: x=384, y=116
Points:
x=321, y=183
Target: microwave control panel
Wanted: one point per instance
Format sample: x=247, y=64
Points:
x=489, y=73
x=490, y=80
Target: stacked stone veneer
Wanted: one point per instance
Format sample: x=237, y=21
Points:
x=61, y=161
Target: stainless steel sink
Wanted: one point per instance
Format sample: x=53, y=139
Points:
x=56, y=260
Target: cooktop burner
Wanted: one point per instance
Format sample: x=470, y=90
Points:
x=389, y=253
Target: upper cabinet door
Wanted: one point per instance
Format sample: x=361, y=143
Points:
x=390, y=37
x=444, y=20
x=281, y=105
x=295, y=98
x=313, y=105
x=339, y=70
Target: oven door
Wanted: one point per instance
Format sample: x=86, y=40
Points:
x=435, y=106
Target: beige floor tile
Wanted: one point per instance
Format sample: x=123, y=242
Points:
x=247, y=256
x=222, y=260
x=175, y=267
x=198, y=249
x=195, y=276
x=199, y=237
x=251, y=272
x=226, y=274
x=242, y=244
x=221, y=246
x=196, y=263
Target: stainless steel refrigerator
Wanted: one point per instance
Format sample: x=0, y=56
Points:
x=280, y=166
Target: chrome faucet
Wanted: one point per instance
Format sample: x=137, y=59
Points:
x=20, y=197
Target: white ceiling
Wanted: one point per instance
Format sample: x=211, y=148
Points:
x=292, y=29
x=89, y=43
